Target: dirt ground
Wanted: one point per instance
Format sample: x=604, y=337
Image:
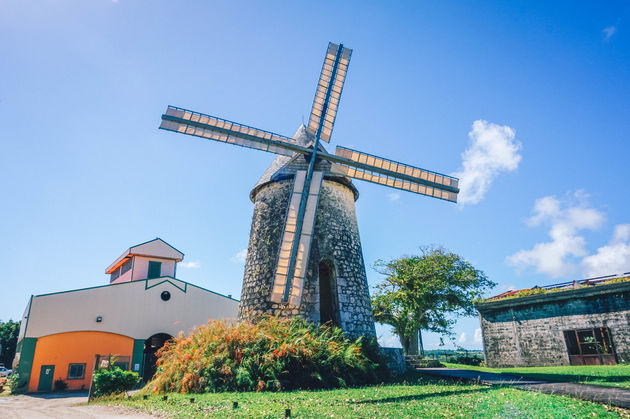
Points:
x=59, y=406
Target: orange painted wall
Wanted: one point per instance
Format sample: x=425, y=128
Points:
x=63, y=349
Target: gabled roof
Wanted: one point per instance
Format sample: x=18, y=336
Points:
x=153, y=248
x=154, y=282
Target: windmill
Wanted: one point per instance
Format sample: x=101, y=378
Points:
x=292, y=259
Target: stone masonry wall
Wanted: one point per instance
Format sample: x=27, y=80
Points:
x=336, y=239
x=521, y=334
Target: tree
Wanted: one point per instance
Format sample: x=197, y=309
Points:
x=9, y=332
x=425, y=292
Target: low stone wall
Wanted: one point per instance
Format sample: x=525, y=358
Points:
x=395, y=360
x=528, y=331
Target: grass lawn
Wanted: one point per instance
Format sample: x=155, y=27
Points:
x=603, y=375
x=425, y=398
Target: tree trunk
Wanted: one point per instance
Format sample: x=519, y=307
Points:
x=412, y=345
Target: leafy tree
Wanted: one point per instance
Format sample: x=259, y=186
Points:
x=9, y=332
x=423, y=292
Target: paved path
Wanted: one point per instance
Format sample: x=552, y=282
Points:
x=63, y=405
x=607, y=395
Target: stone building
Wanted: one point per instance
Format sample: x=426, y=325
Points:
x=336, y=288
x=578, y=323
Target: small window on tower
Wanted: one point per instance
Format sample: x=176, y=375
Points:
x=114, y=275
x=125, y=267
x=155, y=270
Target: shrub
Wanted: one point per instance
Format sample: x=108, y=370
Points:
x=472, y=358
x=467, y=360
x=15, y=385
x=428, y=363
x=113, y=380
x=267, y=354
x=60, y=385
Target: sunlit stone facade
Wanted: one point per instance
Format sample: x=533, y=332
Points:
x=336, y=287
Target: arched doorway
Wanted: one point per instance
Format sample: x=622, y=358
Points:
x=151, y=346
x=328, y=303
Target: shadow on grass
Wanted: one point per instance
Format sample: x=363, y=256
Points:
x=416, y=378
x=425, y=396
x=569, y=378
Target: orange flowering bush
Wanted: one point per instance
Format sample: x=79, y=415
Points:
x=268, y=354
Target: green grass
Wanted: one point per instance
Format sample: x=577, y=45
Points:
x=424, y=398
x=603, y=375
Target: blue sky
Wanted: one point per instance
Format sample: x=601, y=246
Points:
x=528, y=102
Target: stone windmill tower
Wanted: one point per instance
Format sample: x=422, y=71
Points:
x=304, y=256
x=336, y=288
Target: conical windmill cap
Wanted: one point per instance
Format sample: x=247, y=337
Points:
x=284, y=167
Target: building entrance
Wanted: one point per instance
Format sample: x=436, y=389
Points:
x=151, y=346
x=328, y=304
x=46, y=378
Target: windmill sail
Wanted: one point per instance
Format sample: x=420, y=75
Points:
x=328, y=93
x=291, y=292
x=222, y=130
x=363, y=166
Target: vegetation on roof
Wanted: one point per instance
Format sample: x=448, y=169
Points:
x=538, y=290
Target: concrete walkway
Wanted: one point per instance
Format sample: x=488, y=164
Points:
x=608, y=395
x=60, y=405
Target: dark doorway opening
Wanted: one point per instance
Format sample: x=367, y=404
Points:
x=151, y=346
x=590, y=346
x=328, y=303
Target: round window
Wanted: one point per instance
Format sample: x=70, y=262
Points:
x=165, y=296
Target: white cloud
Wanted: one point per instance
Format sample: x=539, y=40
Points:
x=462, y=338
x=565, y=221
x=493, y=149
x=508, y=287
x=621, y=234
x=608, y=32
x=389, y=340
x=613, y=258
x=477, y=336
x=394, y=196
x=240, y=256
x=193, y=264
x=544, y=208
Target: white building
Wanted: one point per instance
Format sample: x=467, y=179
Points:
x=64, y=334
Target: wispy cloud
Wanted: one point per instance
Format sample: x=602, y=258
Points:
x=614, y=258
x=493, y=149
x=478, y=336
x=193, y=264
x=462, y=338
x=394, y=196
x=240, y=257
x=608, y=32
x=565, y=220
